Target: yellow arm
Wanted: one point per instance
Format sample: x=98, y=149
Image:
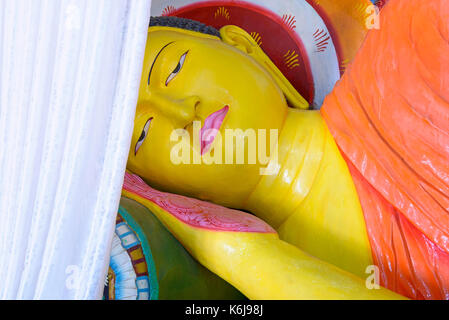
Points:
x=263, y=267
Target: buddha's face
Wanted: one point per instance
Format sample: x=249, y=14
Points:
x=187, y=77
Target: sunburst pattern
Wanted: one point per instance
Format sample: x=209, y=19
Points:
x=289, y=20
x=222, y=12
x=344, y=65
x=321, y=39
x=168, y=10
x=256, y=36
x=361, y=10
x=291, y=60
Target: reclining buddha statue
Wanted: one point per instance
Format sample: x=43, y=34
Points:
x=359, y=186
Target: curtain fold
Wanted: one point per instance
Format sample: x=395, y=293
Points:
x=69, y=80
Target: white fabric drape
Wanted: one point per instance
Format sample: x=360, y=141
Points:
x=69, y=78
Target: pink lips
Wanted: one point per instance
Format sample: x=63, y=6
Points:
x=210, y=128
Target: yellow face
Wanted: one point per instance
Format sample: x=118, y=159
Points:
x=187, y=77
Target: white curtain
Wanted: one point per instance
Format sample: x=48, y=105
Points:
x=69, y=78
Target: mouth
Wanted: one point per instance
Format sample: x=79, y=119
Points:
x=211, y=127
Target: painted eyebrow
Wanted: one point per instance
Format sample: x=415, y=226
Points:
x=154, y=61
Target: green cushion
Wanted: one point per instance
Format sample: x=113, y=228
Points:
x=178, y=274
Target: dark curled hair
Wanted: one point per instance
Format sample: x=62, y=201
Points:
x=182, y=23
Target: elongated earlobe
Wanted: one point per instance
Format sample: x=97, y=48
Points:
x=238, y=38
x=241, y=40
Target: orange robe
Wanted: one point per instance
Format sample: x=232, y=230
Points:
x=389, y=115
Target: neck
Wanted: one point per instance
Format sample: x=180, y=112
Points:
x=311, y=199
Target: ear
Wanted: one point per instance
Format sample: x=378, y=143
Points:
x=241, y=40
x=238, y=38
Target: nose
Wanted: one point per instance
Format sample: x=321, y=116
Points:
x=181, y=111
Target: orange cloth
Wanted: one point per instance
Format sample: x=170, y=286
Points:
x=389, y=115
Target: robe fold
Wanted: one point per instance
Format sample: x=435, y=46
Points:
x=389, y=115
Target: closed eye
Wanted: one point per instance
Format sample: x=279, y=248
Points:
x=143, y=135
x=177, y=69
